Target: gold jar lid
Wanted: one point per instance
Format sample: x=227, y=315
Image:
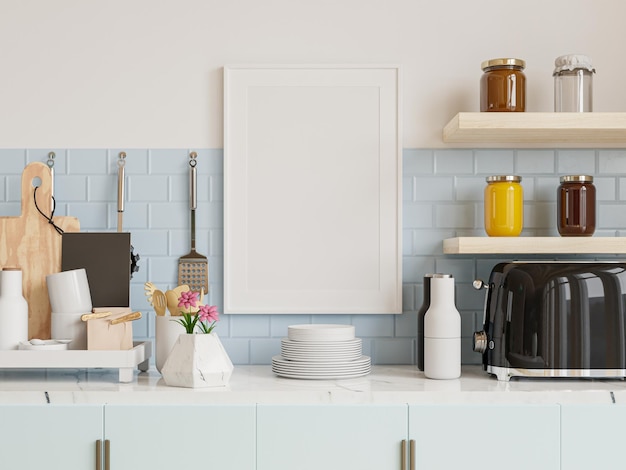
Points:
x=503, y=178
x=503, y=62
x=576, y=179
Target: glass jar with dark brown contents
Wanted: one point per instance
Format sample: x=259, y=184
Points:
x=503, y=85
x=576, y=206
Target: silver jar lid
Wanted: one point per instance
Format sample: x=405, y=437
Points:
x=576, y=179
x=572, y=62
x=441, y=276
x=503, y=178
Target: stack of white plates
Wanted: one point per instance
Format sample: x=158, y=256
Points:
x=321, y=352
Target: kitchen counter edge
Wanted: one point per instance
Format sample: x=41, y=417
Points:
x=259, y=385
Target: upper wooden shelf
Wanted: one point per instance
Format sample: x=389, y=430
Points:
x=534, y=245
x=553, y=129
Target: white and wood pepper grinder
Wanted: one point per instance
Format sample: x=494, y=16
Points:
x=13, y=309
x=442, y=331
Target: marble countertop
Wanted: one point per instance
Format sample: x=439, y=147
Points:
x=258, y=384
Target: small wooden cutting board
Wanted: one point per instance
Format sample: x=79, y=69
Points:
x=32, y=244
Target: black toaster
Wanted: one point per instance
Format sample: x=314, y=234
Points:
x=554, y=319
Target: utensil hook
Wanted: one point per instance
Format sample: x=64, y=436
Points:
x=50, y=161
x=121, y=160
x=192, y=182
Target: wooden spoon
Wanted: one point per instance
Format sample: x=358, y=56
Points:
x=159, y=302
x=172, y=299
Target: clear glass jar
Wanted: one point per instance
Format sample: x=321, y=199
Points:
x=504, y=206
x=503, y=85
x=576, y=206
x=573, y=84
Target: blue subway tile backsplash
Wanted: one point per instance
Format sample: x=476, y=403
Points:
x=442, y=198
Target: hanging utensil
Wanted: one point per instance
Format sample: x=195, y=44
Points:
x=193, y=268
x=121, y=197
x=121, y=163
x=50, y=163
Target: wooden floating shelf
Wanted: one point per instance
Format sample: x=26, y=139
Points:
x=585, y=129
x=534, y=245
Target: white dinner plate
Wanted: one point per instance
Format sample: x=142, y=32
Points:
x=322, y=374
x=304, y=366
x=334, y=357
x=318, y=371
x=346, y=366
x=320, y=332
x=282, y=360
x=322, y=345
x=321, y=377
x=352, y=347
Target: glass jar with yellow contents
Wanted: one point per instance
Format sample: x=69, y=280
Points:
x=504, y=206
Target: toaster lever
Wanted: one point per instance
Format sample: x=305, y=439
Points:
x=480, y=342
x=479, y=284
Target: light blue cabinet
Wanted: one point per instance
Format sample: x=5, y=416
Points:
x=36, y=437
x=189, y=437
x=330, y=437
x=185, y=437
x=476, y=437
x=592, y=437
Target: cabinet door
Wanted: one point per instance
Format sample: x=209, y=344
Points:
x=482, y=436
x=330, y=437
x=185, y=437
x=35, y=437
x=592, y=436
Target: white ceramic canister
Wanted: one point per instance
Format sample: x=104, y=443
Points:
x=13, y=309
x=167, y=331
x=442, y=331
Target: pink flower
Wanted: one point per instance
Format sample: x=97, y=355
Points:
x=188, y=299
x=208, y=313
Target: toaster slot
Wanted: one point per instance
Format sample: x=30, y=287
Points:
x=579, y=326
x=613, y=327
x=555, y=315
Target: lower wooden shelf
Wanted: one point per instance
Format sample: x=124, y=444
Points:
x=534, y=245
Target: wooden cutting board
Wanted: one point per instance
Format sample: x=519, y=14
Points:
x=32, y=244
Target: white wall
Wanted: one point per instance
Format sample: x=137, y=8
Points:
x=147, y=73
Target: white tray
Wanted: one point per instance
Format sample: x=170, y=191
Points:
x=125, y=360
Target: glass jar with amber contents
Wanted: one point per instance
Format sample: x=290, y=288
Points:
x=576, y=206
x=503, y=85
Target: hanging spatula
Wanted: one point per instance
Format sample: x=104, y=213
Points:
x=193, y=268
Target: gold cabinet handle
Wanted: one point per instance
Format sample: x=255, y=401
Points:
x=107, y=454
x=403, y=455
x=98, y=454
x=412, y=454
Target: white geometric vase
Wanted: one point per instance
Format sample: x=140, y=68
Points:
x=197, y=360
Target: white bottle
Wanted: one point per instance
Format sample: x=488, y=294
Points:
x=442, y=331
x=13, y=309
